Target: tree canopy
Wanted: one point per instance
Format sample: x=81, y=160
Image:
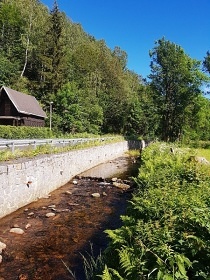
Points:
x=176, y=81
x=45, y=54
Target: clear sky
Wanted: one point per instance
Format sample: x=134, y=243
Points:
x=135, y=25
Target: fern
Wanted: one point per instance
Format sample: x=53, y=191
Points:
x=110, y=274
x=106, y=275
x=126, y=260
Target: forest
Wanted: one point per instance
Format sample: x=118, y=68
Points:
x=45, y=54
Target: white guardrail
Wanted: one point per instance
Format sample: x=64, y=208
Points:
x=27, y=143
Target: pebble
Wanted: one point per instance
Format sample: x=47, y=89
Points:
x=48, y=215
x=16, y=230
x=75, y=182
x=104, y=194
x=68, y=192
x=0, y=258
x=31, y=214
x=27, y=226
x=22, y=277
x=114, y=179
x=65, y=210
x=52, y=206
x=95, y=194
x=121, y=186
x=2, y=246
x=15, y=226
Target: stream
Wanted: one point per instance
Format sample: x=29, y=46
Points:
x=65, y=224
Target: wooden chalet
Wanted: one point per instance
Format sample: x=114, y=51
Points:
x=19, y=109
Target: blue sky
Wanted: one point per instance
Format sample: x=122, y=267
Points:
x=135, y=25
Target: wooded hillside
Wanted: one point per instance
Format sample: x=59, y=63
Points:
x=45, y=54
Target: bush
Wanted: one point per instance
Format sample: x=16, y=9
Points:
x=166, y=233
x=24, y=132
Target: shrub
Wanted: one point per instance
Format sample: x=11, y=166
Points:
x=24, y=132
x=166, y=232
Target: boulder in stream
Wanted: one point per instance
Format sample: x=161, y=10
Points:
x=17, y=231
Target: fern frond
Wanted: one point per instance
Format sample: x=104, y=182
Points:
x=126, y=262
x=106, y=275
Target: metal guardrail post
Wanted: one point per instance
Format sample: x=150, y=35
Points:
x=13, y=147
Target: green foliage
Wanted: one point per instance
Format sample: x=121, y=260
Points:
x=92, y=265
x=176, y=80
x=42, y=52
x=76, y=113
x=166, y=232
x=206, y=62
x=8, y=69
x=24, y=132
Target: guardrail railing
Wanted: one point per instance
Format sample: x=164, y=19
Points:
x=22, y=144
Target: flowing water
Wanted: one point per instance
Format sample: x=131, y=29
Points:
x=50, y=245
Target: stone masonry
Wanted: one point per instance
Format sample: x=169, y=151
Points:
x=24, y=181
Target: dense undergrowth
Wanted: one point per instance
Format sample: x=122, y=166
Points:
x=28, y=132
x=24, y=132
x=166, y=231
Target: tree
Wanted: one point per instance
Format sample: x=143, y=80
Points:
x=52, y=58
x=11, y=28
x=75, y=113
x=197, y=124
x=206, y=62
x=176, y=80
x=8, y=70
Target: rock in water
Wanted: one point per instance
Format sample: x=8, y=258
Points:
x=121, y=186
x=16, y=230
x=2, y=246
x=48, y=215
x=95, y=194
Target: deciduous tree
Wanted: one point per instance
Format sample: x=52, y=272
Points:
x=176, y=81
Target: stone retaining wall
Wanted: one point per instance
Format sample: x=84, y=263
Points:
x=25, y=181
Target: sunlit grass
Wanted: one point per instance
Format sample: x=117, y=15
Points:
x=203, y=153
x=133, y=153
x=7, y=154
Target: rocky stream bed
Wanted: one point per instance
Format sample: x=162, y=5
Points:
x=42, y=239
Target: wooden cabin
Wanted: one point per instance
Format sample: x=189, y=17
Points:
x=19, y=109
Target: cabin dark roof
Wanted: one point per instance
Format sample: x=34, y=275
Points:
x=24, y=103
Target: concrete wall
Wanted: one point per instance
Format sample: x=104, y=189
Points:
x=25, y=181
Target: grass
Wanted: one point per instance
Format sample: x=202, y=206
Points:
x=7, y=155
x=133, y=153
x=203, y=153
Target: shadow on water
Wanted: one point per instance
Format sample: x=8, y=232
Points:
x=79, y=220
